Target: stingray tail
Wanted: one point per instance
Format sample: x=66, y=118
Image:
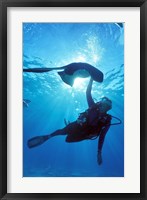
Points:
x=42, y=70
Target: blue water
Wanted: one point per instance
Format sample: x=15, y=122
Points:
x=52, y=101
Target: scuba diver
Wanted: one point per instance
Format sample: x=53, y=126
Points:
x=93, y=123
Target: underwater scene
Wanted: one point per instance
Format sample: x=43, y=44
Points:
x=60, y=60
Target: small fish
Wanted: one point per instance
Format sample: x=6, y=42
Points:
x=26, y=102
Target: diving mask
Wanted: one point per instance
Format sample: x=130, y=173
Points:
x=105, y=104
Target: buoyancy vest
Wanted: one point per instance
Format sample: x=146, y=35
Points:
x=100, y=119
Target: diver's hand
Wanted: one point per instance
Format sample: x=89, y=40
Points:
x=99, y=158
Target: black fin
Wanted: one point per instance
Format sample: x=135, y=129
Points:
x=38, y=140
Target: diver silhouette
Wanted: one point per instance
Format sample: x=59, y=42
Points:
x=93, y=123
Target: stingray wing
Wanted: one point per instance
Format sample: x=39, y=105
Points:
x=68, y=79
x=96, y=74
x=83, y=70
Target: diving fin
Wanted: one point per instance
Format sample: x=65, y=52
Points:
x=38, y=140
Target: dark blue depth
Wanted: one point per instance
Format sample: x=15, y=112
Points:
x=52, y=101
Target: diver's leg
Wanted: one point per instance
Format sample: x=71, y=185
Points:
x=38, y=140
x=58, y=132
x=71, y=128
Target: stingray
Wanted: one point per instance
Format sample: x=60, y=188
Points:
x=70, y=72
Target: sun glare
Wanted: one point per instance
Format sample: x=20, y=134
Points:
x=80, y=83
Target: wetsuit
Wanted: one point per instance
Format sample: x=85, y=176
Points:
x=96, y=124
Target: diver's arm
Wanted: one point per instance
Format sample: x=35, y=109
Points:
x=101, y=142
x=88, y=93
